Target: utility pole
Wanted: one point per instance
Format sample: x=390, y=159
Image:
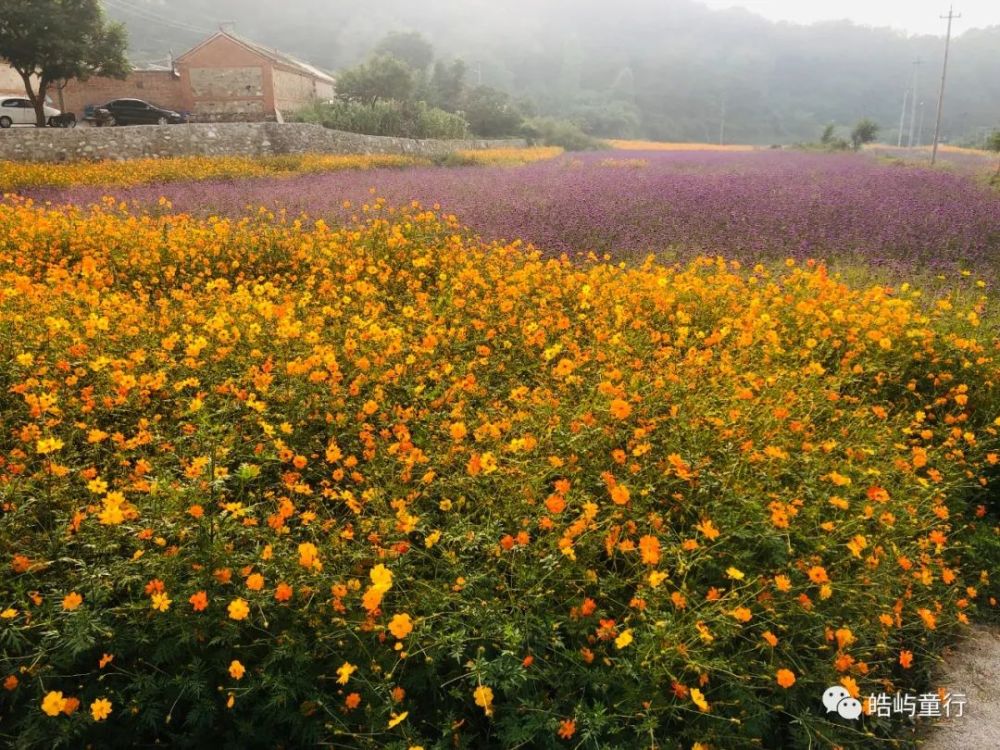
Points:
x=920, y=127
x=913, y=102
x=944, y=72
x=902, y=116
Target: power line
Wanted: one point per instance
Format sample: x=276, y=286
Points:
x=151, y=17
x=944, y=72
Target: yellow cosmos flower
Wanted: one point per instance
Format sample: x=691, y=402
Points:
x=344, y=672
x=395, y=719
x=624, y=639
x=484, y=699
x=48, y=445
x=238, y=609
x=53, y=703
x=100, y=709
x=381, y=578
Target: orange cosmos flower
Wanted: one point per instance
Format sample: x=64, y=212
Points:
x=851, y=686
x=199, y=601
x=817, y=574
x=620, y=409
x=555, y=504
x=786, y=678
x=71, y=601
x=649, y=547
x=709, y=529
x=620, y=494
x=567, y=728
x=401, y=626
x=906, y=659
x=742, y=614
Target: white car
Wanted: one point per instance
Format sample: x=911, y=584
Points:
x=17, y=110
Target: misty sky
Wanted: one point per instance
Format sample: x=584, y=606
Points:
x=913, y=16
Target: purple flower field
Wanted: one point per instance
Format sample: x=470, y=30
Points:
x=745, y=205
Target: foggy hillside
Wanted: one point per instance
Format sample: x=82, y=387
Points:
x=636, y=67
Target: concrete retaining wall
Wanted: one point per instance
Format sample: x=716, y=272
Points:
x=212, y=139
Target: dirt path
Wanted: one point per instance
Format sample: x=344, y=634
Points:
x=973, y=668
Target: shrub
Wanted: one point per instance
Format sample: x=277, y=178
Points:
x=270, y=483
x=491, y=113
x=562, y=133
x=397, y=119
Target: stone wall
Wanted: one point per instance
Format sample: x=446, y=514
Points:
x=212, y=139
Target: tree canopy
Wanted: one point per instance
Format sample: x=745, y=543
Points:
x=411, y=47
x=379, y=77
x=47, y=41
x=659, y=67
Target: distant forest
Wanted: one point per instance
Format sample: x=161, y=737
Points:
x=662, y=69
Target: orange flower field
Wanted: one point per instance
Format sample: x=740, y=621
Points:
x=273, y=483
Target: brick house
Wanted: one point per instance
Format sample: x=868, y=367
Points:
x=227, y=77
x=223, y=78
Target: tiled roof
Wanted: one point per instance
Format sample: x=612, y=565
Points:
x=271, y=54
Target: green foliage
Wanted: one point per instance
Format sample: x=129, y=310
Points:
x=993, y=144
x=607, y=119
x=447, y=85
x=381, y=77
x=491, y=113
x=410, y=47
x=552, y=131
x=390, y=118
x=864, y=132
x=48, y=41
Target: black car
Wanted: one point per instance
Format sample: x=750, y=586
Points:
x=135, y=112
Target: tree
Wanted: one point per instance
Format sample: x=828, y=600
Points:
x=410, y=47
x=47, y=41
x=827, y=138
x=491, y=113
x=864, y=132
x=993, y=144
x=447, y=85
x=381, y=77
